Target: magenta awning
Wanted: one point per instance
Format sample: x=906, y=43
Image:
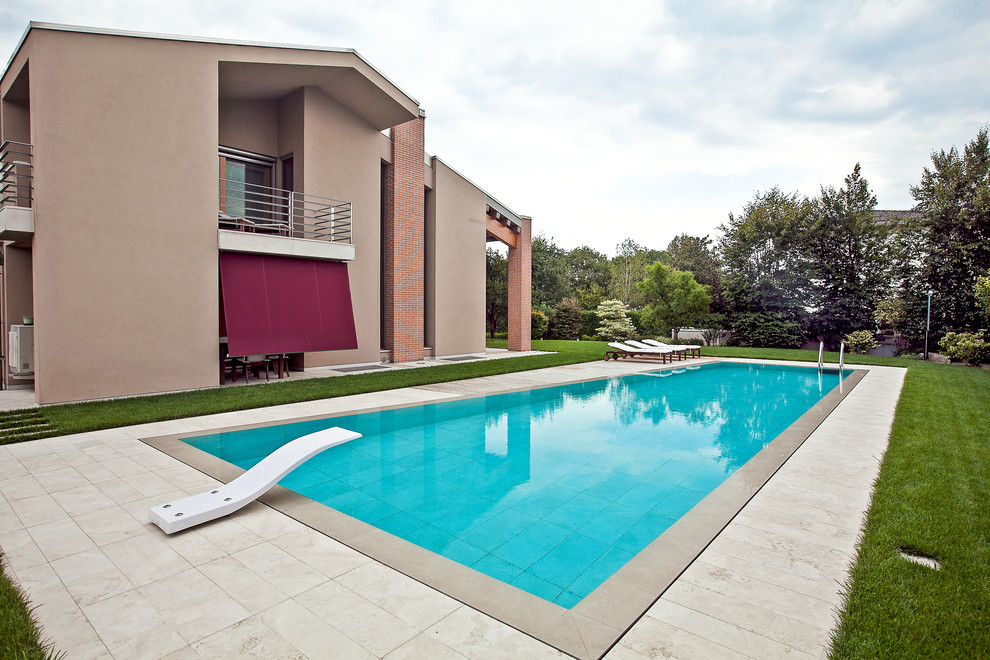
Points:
x=282, y=305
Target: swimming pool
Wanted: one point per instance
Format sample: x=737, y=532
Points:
x=550, y=490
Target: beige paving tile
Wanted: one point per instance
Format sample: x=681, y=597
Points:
x=63, y=624
x=82, y=499
x=323, y=553
x=746, y=615
x=91, y=577
x=720, y=632
x=8, y=519
x=193, y=605
x=424, y=646
x=131, y=627
x=145, y=558
x=227, y=534
x=191, y=546
x=43, y=463
x=279, y=568
x=37, y=510
x=362, y=621
x=149, y=484
x=242, y=584
x=477, y=635
x=716, y=561
x=94, y=472
x=310, y=634
x=109, y=525
x=266, y=522
x=20, y=550
x=60, y=538
x=411, y=601
x=250, y=638
x=61, y=479
x=124, y=466
x=21, y=487
x=654, y=638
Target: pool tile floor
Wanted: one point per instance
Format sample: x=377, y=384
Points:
x=106, y=583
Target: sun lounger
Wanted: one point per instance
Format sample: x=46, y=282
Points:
x=680, y=352
x=693, y=350
x=620, y=350
x=191, y=511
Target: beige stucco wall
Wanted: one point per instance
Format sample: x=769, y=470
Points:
x=342, y=162
x=124, y=257
x=249, y=125
x=125, y=269
x=455, y=269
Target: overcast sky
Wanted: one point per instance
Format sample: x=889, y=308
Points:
x=607, y=120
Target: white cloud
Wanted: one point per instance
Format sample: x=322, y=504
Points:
x=642, y=119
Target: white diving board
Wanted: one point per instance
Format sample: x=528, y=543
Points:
x=197, y=509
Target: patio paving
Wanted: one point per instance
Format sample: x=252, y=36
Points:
x=107, y=583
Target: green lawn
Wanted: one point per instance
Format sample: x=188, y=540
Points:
x=932, y=495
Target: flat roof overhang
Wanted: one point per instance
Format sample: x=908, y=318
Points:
x=348, y=80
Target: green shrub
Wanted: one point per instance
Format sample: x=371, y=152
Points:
x=971, y=347
x=501, y=335
x=590, y=320
x=765, y=331
x=540, y=324
x=861, y=341
x=615, y=325
x=566, y=321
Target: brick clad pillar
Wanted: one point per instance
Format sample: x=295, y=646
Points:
x=520, y=289
x=403, y=245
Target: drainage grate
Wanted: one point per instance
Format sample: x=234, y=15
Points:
x=458, y=358
x=366, y=367
x=920, y=558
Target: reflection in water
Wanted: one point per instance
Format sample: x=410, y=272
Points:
x=550, y=490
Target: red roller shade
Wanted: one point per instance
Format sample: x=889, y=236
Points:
x=282, y=305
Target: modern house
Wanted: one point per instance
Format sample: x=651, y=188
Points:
x=167, y=199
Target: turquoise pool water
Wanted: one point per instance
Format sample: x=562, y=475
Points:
x=551, y=490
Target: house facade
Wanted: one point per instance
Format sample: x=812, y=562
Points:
x=168, y=199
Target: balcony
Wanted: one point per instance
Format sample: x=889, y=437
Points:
x=16, y=192
x=265, y=220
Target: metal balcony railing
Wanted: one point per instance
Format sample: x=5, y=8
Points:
x=265, y=210
x=16, y=180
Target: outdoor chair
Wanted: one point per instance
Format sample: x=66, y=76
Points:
x=620, y=350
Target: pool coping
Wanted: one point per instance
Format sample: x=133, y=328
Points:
x=596, y=623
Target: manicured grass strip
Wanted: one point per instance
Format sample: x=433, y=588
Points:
x=19, y=636
x=932, y=496
x=95, y=415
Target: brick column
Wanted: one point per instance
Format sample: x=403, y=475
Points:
x=403, y=229
x=520, y=289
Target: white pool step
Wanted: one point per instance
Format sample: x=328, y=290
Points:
x=197, y=509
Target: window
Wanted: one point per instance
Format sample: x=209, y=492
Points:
x=246, y=184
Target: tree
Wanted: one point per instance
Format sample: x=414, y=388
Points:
x=588, y=274
x=848, y=258
x=674, y=298
x=496, y=290
x=615, y=325
x=696, y=255
x=982, y=294
x=549, y=268
x=952, y=238
x=629, y=267
x=566, y=321
x=763, y=256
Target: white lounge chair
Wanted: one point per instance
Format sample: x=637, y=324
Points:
x=191, y=511
x=680, y=351
x=620, y=350
x=692, y=349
